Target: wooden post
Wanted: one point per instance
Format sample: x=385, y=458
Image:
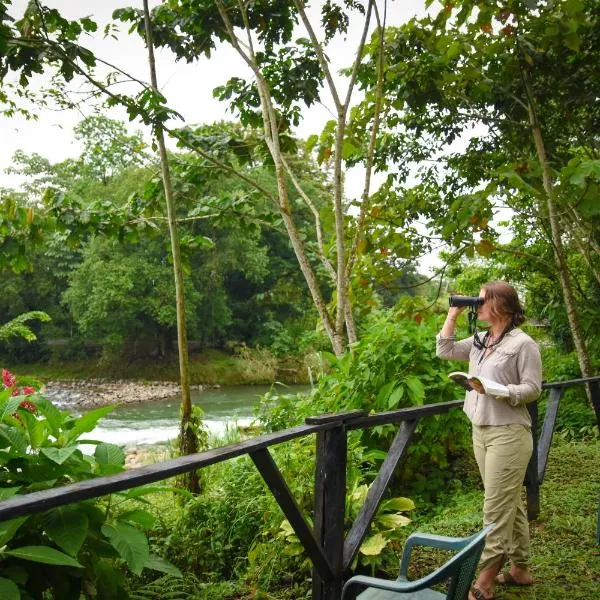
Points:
x=594, y=387
x=330, y=502
x=531, y=476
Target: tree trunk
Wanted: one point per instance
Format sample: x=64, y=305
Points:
x=559, y=254
x=188, y=440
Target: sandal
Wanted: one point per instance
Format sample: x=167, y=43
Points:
x=508, y=579
x=478, y=594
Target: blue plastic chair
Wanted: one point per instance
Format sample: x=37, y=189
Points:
x=459, y=571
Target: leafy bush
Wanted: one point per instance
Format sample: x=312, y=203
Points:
x=74, y=550
x=392, y=366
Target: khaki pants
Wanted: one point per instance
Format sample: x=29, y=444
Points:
x=502, y=453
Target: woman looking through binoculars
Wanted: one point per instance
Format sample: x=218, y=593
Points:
x=502, y=441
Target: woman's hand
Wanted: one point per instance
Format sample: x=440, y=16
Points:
x=476, y=385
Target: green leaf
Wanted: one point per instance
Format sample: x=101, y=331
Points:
x=58, y=455
x=9, y=528
x=35, y=429
x=67, y=526
x=10, y=407
x=399, y=504
x=43, y=554
x=395, y=397
x=16, y=440
x=157, y=563
x=9, y=590
x=88, y=421
x=109, y=454
x=374, y=545
x=393, y=521
x=130, y=543
x=54, y=417
x=143, y=518
x=416, y=391
x=9, y=492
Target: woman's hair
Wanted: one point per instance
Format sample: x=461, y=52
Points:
x=502, y=301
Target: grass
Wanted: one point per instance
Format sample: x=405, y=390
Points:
x=565, y=556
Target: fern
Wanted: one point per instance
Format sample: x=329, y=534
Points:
x=167, y=588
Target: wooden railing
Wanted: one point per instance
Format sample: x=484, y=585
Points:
x=330, y=551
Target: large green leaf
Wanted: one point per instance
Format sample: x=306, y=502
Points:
x=10, y=406
x=9, y=590
x=16, y=440
x=416, y=391
x=54, y=417
x=58, y=455
x=9, y=492
x=9, y=528
x=35, y=428
x=140, y=517
x=399, y=503
x=164, y=566
x=43, y=554
x=88, y=421
x=109, y=454
x=130, y=543
x=67, y=526
x=374, y=545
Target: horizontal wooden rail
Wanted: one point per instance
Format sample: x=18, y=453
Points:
x=28, y=504
x=570, y=382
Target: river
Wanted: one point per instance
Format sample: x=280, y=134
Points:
x=158, y=422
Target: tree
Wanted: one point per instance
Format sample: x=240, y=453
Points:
x=509, y=78
x=286, y=75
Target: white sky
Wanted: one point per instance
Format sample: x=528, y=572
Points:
x=187, y=87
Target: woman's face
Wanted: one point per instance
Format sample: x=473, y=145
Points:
x=483, y=314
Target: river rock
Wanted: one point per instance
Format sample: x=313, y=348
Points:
x=93, y=393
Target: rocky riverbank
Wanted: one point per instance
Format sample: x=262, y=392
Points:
x=93, y=393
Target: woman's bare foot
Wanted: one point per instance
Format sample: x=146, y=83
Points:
x=515, y=576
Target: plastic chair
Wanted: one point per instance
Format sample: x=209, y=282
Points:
x=460, y=570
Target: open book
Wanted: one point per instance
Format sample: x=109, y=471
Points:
x=492, y=388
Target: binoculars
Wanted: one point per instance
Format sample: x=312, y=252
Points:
x=471, y=301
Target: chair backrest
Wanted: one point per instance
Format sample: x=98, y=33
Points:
x=465, y=563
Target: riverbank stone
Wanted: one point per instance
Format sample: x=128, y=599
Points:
x=93, y=393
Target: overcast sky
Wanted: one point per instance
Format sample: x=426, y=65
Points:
x=188, y=87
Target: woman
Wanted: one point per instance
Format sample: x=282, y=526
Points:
x=502, y=440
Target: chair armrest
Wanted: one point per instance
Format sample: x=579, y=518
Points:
x=381, y=584
x=430, y=541
x=438, y=541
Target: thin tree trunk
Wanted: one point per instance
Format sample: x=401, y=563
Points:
x=559, y=254
x=188, y=441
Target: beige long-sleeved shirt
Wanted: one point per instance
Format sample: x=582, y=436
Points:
x=514, y=362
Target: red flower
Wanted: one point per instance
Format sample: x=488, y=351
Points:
x=28, y=390
x=8, y=379
x=16, y=392
x=27, y=405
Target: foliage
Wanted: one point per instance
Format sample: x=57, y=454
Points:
x=76, y=549
x=392, y=366
x=17, y=327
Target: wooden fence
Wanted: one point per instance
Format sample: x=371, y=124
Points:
x=327, y=546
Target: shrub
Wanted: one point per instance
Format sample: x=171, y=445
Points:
x=74, y=550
